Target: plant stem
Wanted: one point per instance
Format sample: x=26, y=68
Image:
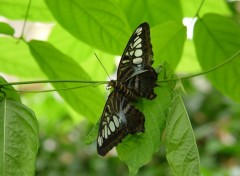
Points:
x=51, y=81
x=205, y=72
x=25, y=19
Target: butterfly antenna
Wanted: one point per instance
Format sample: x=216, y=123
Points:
x=102, y=66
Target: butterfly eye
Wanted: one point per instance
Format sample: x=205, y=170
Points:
x=108, y=87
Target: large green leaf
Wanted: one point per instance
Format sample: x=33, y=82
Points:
x=18, y=139
x=181, y=148
x=189, y=62
x=152, y=11
x=101, y=24
x=218, y=6
x=6, y=29
x=217, y=39
x=66, y=43
x=87, y=101
x=82, y=53
x=168, y=41
x=17, y=60
x=17, y=9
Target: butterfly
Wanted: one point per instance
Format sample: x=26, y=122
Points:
x=136, y=78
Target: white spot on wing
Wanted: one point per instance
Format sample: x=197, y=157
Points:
x=139, y=45
x=137, y=60
x=116, y=122
x=139, y=30
x=109, y=108
x=99, y=141
x=109, y=132
x=105, y=130
x=131, y=53
x=137, y=42
x=112, y=126
x=126, y=108
x=136, y=38
x=125, y=61
x=138, y=53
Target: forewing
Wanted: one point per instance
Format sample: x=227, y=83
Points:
x=119, y=118
x=137, y=56
x=143, y=84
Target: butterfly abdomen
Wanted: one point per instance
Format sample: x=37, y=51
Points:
x=123, y=90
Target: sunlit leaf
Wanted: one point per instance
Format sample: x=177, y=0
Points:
x=190, y=7
x=6, y=29
x=170, y=11
x=16, y=53
x=88, y=101
x=16, y=9
x=168, y=41
x=217, y=39
x=181, y=148
x=188, y=62
x=101, y=24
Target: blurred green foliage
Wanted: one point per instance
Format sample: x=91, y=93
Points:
x=215, y=118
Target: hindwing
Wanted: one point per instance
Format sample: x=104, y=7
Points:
x=119, y=118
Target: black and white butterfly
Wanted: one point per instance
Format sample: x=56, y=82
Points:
x=135, y=78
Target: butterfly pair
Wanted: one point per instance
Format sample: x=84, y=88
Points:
x=135, y=78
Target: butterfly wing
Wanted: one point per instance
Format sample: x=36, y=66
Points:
x=143, y=84
x=135, y=72
x=135, y=67
x=119, y=118
x=137, y=56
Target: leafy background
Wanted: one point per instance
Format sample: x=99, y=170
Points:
x=80, y=28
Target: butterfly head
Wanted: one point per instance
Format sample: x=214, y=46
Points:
x=110, y=85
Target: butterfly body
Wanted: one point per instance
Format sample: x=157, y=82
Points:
x=123, y=90
x=135, y=79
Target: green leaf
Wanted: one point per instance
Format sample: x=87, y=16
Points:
x=87, y=101
x=189, y=62
x=101, y=24
x=16, y=53
x=168, y=41
x=16, y=9
x=181, y=148
x=219, y=7
x=73, y=47
x=136, y=150
x=8, y=91
x=18, y=139
x=92, y=136
x=152, y=11
x=82, y=53
x=6, y=29
x=217, y=39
